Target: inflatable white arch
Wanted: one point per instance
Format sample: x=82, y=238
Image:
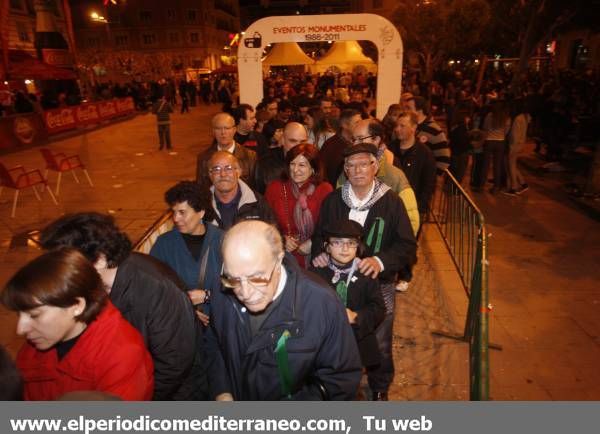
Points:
x=311, y=28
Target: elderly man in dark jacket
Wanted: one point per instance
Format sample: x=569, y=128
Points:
x=148, y=294
x=277, y=333
x=387, y=233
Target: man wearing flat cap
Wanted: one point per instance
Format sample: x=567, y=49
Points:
x=388, y=236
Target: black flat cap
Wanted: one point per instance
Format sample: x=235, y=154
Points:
x=344, y=228
x=360, y=148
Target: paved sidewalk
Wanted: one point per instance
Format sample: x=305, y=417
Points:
x=430, y=367
x=544, y=254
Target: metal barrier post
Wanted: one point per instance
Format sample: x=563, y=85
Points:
x=162, y=224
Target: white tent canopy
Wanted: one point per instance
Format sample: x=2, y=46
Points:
x=286, y=53
x=345, y=56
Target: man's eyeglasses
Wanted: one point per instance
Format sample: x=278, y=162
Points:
x=217, y=170
x=353, y=244
x=257, y=282
x=361, y=139
x=358, y=166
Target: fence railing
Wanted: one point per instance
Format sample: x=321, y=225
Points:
x=462, y=227
x=163, y=224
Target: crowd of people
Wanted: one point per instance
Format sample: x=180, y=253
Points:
x=208, y=89
x=489, y=121
x=279, y=277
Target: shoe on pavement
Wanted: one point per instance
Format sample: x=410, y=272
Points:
x=402, y=286
x=511, y=192
x=380, y=396
x=523, y=189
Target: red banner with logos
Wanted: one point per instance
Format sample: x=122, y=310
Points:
x=68, y=118
x=60, y=58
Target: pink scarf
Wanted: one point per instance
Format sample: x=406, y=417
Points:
x=303, y=218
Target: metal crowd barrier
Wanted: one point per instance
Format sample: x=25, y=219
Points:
x=163, y=224
x=462, y=227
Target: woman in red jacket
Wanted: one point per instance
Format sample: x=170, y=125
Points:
x=76, y=339
x=296, y=199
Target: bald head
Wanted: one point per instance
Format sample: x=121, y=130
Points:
x=369, y=131
x=252, y=236
x=252, y=253
x=223, y=156
x=361, y=128
x=223, y=126
x=294, y=134
x=222, y=117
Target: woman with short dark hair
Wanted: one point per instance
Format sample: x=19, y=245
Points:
x=296, y=199
x=76, y=338
x=192, y=248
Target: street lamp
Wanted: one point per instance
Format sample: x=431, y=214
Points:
x=98, y=18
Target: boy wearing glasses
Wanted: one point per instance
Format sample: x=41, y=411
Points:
x=360, y=294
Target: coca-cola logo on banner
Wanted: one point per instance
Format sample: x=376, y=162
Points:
x=24, y=130
x=60, y=118
x=107, y=109
x=125, y=105
x=87, y=113
x=57, y=57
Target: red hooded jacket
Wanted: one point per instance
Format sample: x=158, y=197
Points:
x=109, y=356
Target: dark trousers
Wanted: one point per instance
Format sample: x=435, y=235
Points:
x=381, y=376
x=164, y=136
x=185, y=105
x=477, y=177
x=493, y=152
x=458, y=165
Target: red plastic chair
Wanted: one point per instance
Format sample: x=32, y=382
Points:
x=18, y=178
x=60, y=163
